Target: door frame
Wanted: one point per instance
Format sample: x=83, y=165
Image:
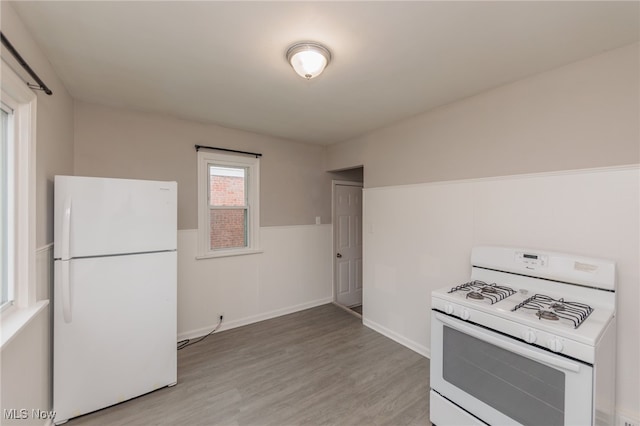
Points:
x=335, y=183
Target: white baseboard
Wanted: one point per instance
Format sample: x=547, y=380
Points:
x=416, y=347
x=344, y=308
x=227, y=325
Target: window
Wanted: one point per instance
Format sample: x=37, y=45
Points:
x=17, y=199
x=6, y=119
x=228, y=204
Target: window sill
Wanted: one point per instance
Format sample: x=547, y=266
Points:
x=16, y=319
x=228, y=253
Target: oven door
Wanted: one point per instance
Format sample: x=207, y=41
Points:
x=503, y=381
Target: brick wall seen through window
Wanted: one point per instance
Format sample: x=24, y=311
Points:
x=228, y=204
x=227, y=226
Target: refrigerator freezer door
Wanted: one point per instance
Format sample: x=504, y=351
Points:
x=121, y=339
x=98, y=216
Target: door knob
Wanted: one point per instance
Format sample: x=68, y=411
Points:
x=338, y=255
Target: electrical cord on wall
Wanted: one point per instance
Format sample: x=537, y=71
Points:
x=187, y=342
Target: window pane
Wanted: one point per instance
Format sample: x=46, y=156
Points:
x=227, y=186
x=228, y=228
x=228, y=204
x=4, y=290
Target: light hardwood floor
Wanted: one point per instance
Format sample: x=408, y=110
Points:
x=320, y=366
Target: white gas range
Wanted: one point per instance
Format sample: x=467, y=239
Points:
x=530, y=339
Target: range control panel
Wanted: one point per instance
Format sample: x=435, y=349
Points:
x=532, y=260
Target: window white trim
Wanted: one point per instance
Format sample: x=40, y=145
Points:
x=253, y=187
x=6, y=195
x=23, y=100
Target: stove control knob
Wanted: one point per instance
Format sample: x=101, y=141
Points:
x=555, y=344
x=529, y=336
x=448, y=308
x=465, y=315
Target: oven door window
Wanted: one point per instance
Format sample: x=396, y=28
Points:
x=527, y=391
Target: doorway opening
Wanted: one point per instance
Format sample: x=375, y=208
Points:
x=347, y=215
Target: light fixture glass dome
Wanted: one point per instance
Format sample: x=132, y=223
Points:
x=308, y=59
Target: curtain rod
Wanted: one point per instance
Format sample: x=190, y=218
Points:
x=23, y=63
x=198, y=147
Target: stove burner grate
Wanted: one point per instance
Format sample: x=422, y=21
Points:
x=480, y=290
x=548, y=308
x=548, y=315
x=475, y=295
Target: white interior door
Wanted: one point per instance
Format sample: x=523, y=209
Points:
x=348, y=244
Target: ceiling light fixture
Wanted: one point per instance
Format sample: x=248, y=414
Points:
x=308, y=59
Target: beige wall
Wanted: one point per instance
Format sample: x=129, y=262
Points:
x=54, y=132
x=294, y=188
x=26, y=361
x=579, y=116
x=584, y=115
x=54, y=154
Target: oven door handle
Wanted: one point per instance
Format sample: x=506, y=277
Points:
x=512, y=347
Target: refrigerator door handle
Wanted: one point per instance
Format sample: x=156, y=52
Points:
x=66, y=291
x=66, y=230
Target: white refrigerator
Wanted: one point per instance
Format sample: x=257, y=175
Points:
x=114, y=309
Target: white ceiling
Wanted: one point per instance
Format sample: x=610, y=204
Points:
x=223, y=62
